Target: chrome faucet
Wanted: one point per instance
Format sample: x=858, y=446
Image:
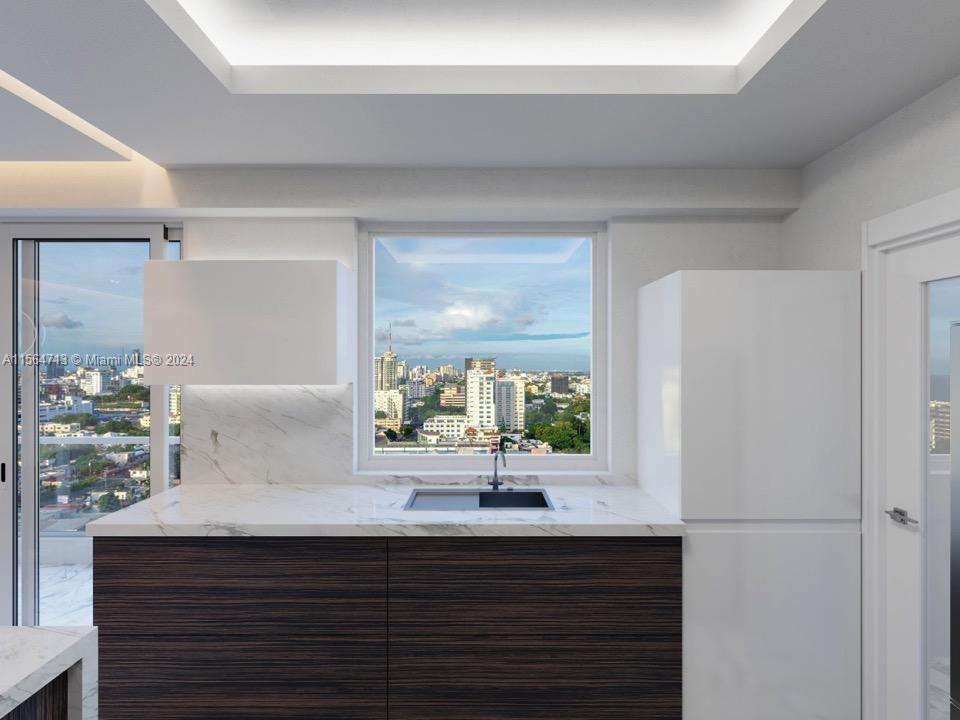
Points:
x=501, y=453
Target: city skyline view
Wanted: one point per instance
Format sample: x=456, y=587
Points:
x=482, y=343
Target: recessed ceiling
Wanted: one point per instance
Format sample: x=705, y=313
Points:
x=29, y=134
x=120, y=66
x=502, y=46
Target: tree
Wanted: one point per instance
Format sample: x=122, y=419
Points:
x=108, y=502
x=407, y=431
x=391, y=434
x=120, y=427
x=563, y=436
x=380, y=415
x=84, y=419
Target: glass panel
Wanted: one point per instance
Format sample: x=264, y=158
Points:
x=93, y=415
x=173, y=253
x=944, y=381
x=480, y=339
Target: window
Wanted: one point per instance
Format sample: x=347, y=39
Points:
x=473, y=340
x=90, y=434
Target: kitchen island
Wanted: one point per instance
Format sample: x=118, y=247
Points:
x=333, y=601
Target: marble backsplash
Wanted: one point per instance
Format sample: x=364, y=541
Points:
x=295, y=434
x=267, y=434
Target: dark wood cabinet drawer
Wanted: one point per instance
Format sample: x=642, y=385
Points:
x=241, y=627
x=406, y=628
x=578, y=628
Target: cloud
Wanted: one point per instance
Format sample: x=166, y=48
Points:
x=405, y=322
x=519, y=336
x=60, y=320
x=132, y=269
x=415, y=336
x=57, y=301
x=462, y=316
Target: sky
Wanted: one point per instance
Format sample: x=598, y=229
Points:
x=91, y=296
x=524, y=300
x=944, y=309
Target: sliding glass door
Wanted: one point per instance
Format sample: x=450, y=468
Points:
x=91, y=437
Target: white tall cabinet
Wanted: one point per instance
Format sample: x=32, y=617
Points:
x=749, y=429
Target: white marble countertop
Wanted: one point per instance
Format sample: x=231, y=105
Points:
x=31, y=657
x=368, y=509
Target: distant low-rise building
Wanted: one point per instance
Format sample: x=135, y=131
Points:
x=447, y=427
x=47, y=411
x=453, y=396
x=55, y=428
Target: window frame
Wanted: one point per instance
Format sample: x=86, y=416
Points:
x=596, y=463
x=23, y=605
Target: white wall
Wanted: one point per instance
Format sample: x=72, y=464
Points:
x=910, y=156
x=142, y=189
x=300, y=434
x=643, y=250
x=293, y=434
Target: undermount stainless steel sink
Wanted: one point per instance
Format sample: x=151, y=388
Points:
x=470, y=499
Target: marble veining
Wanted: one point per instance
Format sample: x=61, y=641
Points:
x=30, y=657
x=938, y=692
x=377, y=509
x=272, y=434
x=295, y=434
x=66, y=594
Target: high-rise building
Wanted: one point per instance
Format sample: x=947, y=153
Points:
x=560, y=384
x=386, y=367
x=175, y=395
x=509, y=402
x=480, y=402
x=393, y=404
x=417, y=390
x=482, y=364
x=939, y=426
x=92, y=382
x=55, y=369
x=447, y=372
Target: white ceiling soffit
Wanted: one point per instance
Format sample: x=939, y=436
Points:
x=496, y=46
x=35, y=128
x=29, y=134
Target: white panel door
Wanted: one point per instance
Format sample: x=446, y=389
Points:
x=903, y=252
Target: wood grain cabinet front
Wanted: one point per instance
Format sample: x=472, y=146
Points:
x=241, y=627
x=51, y=702
x=405, y=628
x=554, y=628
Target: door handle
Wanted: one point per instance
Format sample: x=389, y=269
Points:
x=901, y=516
